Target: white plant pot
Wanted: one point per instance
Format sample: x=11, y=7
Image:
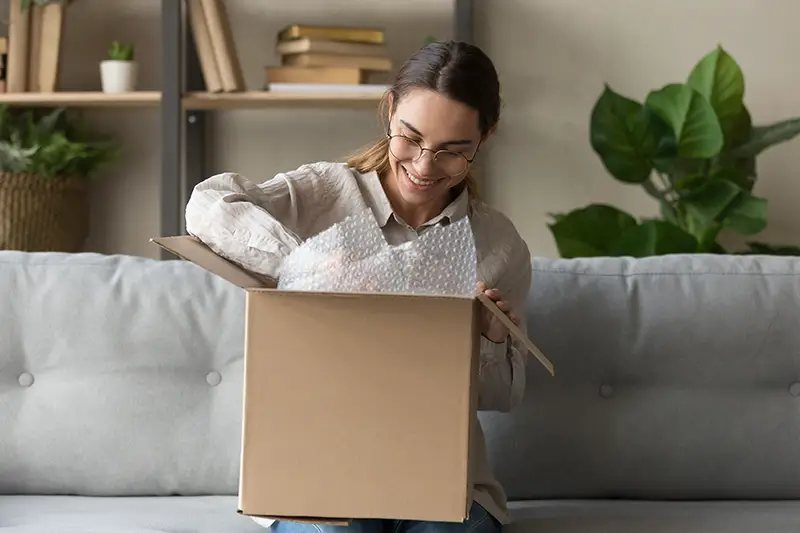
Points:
x=118, y=76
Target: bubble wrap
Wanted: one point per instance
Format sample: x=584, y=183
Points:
x=353, y=256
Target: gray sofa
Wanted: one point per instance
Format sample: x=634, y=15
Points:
x=674, y=408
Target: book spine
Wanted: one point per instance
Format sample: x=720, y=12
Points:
x=50, y=46
x=18, y=31
x=34, y=46
x=205, y=50
x=222, y=43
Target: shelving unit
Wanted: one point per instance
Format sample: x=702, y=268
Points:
x=83, y=99
x=258, y=99
x=184, y=104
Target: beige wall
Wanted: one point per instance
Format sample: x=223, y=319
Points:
x=553, y=57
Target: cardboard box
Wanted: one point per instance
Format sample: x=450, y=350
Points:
x=355, y=405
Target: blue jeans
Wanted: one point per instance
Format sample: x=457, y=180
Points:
x=479, y=522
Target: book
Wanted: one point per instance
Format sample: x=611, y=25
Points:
x=18, y=40
x=202, y=43
x=52, y=27
x=227, y=59
x=377, y=64
x=309, y=75
x=322, y=46
x=328, y=88
x=332, y=33
x=34, y=46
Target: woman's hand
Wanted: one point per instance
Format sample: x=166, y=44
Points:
x=491, y=327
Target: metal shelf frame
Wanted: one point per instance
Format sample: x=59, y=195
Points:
x=184, y=132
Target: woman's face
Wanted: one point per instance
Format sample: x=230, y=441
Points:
x=437, y=124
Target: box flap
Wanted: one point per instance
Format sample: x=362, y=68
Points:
x=192, y=249
x=516, y=332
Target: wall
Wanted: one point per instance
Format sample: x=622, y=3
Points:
x=553, y=57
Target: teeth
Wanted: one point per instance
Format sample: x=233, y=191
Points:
x=419, y=181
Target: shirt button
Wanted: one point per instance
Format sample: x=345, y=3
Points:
x=25, y=379
x=794, y=389
x=606, y=391
x=213, y=378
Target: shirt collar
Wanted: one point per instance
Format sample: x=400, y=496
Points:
x=383, y=211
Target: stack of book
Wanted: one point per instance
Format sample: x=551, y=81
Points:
x=328, y=58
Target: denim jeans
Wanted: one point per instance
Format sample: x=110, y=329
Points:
x=479, y=522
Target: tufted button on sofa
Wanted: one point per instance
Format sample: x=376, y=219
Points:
x=675, y=407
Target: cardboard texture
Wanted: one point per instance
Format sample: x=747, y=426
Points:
x=356, y=405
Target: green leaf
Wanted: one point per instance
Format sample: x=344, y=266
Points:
x=747, y=215
x=711, y=201
x=625, y=136
x=697, y=130
x=724, y=202
x=654, y=237
x=763, y=137
x=718, y=78
x=589, y=231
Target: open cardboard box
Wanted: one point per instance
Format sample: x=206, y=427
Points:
x=356, y=405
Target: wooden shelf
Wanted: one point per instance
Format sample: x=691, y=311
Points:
x=263, y=99
x=83, y=99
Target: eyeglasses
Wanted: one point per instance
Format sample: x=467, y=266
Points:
x=405, y=149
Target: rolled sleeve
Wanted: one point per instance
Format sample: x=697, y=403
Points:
x=254, y=224
x=503, y=365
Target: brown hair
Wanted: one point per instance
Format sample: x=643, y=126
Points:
x=456, y=70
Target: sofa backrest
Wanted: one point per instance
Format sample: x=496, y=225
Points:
x=677, y=377
x=118, y=376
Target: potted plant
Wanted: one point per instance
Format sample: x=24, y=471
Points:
x=692, y=146
x=118, y=72
x=46, y=164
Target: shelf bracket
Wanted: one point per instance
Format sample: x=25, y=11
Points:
x=196, y=123
x=463, y=11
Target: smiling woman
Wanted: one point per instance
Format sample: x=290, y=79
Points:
x=442, y=107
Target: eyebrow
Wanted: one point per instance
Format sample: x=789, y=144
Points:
x=447, y=143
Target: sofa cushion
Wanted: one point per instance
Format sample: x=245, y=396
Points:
x=118, y=376
x=677, y=377
x=654, y=517
x=75, y=514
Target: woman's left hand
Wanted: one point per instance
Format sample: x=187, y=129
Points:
x=491, y=327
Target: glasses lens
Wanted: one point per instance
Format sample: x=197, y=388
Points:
x=404, y=149
x=451, y=163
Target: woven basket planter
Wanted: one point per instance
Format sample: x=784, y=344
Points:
x=43, y=214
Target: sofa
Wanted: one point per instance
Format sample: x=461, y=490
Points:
x=675, y=406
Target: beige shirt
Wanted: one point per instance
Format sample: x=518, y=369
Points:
x=258, y=224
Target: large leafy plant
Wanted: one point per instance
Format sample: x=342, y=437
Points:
x=692, y=146
x=50, y=145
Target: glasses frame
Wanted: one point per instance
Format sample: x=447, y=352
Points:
x=422, y=150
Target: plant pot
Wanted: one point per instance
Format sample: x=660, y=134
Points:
x=118, y=76
x=43, y=214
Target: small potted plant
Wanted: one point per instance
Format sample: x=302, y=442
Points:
x=118, y=72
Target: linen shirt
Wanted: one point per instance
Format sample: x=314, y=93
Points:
x=256, y=225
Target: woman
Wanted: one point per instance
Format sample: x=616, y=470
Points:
x=443, y=105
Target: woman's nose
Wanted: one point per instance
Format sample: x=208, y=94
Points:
x=425, y=165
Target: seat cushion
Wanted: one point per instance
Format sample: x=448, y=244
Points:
x=619, y=516
x=62, y=514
